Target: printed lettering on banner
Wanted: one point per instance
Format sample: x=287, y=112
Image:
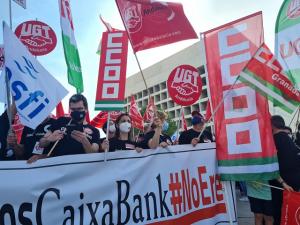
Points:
x=114, y=192
x=112, y=71
x=242, y=123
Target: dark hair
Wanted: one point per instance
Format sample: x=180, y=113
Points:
x=104, y=127
x=77, y=98
x=278, y=122
x=117, y=134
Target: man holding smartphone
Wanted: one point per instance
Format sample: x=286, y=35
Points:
x=73, y=135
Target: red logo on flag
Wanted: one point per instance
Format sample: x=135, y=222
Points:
x=149, y=113
x=142, y=18
x=37, y=36
x=290, y=212
x=184, y=85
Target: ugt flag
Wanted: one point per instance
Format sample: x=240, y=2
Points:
x=264, y=74
x=287, y=34
x=30, y=83
x=70, y=46
x=246, y=149
x=135, y=115
x=153, y=23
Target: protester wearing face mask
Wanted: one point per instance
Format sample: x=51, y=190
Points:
x=74, y=135
x=123, y=137
x=157, y=137
x=191, y=136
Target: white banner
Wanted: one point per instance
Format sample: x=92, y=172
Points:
x=177, y=185
x=35, y=91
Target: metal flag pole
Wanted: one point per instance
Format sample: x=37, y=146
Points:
x=178, y=124
x=107, y=133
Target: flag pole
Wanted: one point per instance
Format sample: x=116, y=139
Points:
x=107, y=133
x=178, y=124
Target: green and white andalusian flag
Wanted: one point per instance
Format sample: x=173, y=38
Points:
x=70, y=46
x=264, y=74
x=287, y=39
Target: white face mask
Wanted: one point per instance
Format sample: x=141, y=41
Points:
x=125, y=127
x=112, y=128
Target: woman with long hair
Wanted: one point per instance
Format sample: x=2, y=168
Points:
x=123, y=136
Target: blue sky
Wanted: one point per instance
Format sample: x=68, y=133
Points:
x=203, y=15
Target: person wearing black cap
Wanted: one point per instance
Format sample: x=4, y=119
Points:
x=73, y=135
x=191, y=136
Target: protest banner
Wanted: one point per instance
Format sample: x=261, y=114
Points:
x=110, y=93
x=83, y=189
x=287, y=37
x=264, y=73
x=70, y=46
x=243, y=131
x=184, y=85
x=142, y=18
x=38, y=37
x=30, y=83
x=290, y=212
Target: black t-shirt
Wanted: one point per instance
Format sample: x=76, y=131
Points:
x=4, y=126
x=116, y=144
x=288, y=159
x=30, y=138
x=186, y=137
x=68, y=145
x=150, y=134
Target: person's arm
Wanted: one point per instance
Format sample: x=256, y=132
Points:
x=284, y=185
x=13, y=143
x=154, y=141
x=50, y=137
x=81, y=138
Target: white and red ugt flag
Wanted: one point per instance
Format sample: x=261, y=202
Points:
x=245, y=146
x=153, y=23
x=112, y=71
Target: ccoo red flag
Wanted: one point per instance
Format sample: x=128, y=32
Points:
x=290, y=212
x=153, y=23
x=136, y=117
x=149, y=113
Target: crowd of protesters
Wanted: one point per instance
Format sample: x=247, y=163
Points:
x=73, y=135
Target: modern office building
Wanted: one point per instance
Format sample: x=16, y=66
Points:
x=156, y=78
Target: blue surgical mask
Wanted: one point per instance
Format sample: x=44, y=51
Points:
x=165, y=126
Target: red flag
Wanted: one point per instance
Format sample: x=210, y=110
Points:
x=208, y=111
x=99, y=120
x=60, y=110
x=149, y=113
x=183, y=121
x=290, y=211
x=152, y=23
x=242, y=124
x=18, y=127
x=136, y=117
